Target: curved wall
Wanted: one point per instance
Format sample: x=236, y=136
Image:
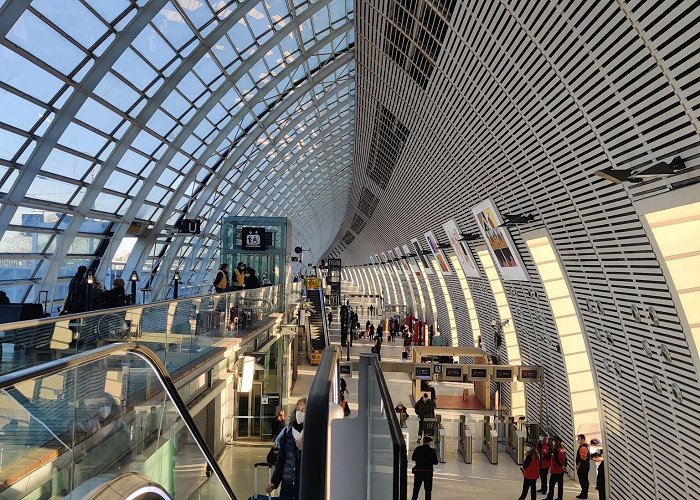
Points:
x=523, y=102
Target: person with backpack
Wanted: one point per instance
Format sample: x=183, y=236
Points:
x=557, y=470
x=531, y=471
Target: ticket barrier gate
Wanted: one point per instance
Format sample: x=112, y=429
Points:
x=515, y=445
x=490, y=445
x=466, y=443
x=433, y=428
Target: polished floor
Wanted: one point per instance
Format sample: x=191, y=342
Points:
x=453, y=480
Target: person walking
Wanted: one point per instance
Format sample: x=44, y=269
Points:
x=288, y=464
x=221, y=281
x=377, y=349
x=330, y=318
x=600, y=477
x=583, y=465
x=545, y=450
x=424, y=408
x=531, y=471
x=278, y=424
x=557, y=470
x=425, y=458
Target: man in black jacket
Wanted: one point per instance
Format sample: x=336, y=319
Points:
x=425, y=457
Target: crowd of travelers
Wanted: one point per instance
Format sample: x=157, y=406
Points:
x=87, y=294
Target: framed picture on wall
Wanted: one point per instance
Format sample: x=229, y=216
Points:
x=500, y=244
x=420, y=257
x=438, y=253
x=462, y=250
x=412, y=261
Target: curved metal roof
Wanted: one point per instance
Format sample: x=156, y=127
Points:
x=120, y=117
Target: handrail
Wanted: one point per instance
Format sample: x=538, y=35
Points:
x=326, y=333
x=83, y=358
x=314, y=454
x=30, y=323
x=399, y=443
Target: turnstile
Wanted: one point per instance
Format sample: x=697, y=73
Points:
x=465, y=446
x=515, y=444
x=490, y=445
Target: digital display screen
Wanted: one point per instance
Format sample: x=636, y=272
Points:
x=529, y=374
x=423, y=371
x=345, y=369
x=453, y=372
x=504, y=373
x=478, y=373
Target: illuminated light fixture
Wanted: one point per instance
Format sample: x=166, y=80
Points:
x=584, y=400
x=454, y=337
x=176, y=276
x=134, y=277
x=90, y=278
x=471, y=307
x=248, y=373
x=661, y=169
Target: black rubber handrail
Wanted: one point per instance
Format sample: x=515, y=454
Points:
x=397, y=439
x=326, y=332
x=60, y=365
x=314, y=454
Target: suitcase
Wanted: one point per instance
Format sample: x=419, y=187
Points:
x=263, y=496
x=404, y=355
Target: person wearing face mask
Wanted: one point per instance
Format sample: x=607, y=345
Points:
x=288, y=465
x=425, y=458
x=239, y=276
x=545, y=451
x=583, y=465
x=557, y=470
x=424, y=408
x=531, y=471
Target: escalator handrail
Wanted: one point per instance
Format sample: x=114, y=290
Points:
x=400, y=450
x=314, y=454
x=83, y=358
x=326, y=333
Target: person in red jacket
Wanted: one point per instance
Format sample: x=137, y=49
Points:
x=557, y=470
x=545, y=449
x=531, y=471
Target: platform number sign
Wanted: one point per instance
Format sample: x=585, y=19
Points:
x=253, y=238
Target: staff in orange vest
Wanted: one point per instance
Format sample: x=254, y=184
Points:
x=531, y=471
x=557, y=470
x=583, y=465
x=545, y=449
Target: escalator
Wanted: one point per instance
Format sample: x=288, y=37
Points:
x=103, y=424
x=319, y=327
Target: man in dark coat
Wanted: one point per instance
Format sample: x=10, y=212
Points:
x=425, y=458
x=76, y=302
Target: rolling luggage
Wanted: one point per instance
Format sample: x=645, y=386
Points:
x=261, y=496
x=404, y=355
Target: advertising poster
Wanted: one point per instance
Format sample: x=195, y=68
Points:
x=384, y=259
x=438, y=253
x=420, y=257
x=403, y=263
x=412, y=262
x=462, y=251
x=499, y=242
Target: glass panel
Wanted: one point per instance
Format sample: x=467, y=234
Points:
x=98, y=424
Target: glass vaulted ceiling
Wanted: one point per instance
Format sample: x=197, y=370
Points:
x=118, y=117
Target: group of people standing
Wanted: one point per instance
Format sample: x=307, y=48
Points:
x=547, y=457
x=84, y=296
x=244, y=278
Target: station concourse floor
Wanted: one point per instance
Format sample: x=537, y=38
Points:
x=453, y=480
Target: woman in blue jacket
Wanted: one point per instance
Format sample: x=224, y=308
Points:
x=288, y=465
